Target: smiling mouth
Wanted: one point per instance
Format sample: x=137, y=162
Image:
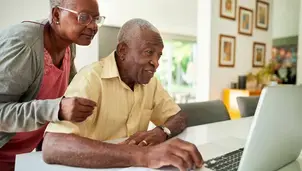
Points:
x=88, y=36
x=150, y=72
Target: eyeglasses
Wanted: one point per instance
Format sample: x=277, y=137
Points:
x=85, y=18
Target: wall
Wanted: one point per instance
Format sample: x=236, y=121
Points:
x=299, y=62
x=108, y=40
x=170, y=16
x=15, y=11
x=221, y=78
x=179, y=17
x=285, y=19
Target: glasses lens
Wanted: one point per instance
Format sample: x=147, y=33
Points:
x=84, y=18
x=100, y=20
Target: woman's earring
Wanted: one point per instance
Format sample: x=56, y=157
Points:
x=57, y=22
x=122, y=57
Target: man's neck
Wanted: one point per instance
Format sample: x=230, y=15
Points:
x=54, y=44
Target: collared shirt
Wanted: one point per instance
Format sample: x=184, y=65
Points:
x=120, y=112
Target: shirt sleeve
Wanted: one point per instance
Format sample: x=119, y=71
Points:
x=164, y=105
x=86, y=84
x=19, y=72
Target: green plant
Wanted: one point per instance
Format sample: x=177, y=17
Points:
x=264, y=75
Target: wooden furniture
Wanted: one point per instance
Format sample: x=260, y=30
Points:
x=230, y=100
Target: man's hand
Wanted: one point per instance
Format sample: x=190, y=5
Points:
x=174, y=152
x=76, y=109
x=147, y=138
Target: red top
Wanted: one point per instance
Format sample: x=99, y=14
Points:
x=54, y=85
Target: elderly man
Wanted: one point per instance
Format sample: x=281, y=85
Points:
x=127, y=97
x=36, y=64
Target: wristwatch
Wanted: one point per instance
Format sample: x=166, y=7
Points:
x=166, y=131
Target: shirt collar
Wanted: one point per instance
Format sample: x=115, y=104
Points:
x=109, y=67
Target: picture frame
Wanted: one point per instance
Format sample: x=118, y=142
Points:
x=245, y=22
x=227, y=51
x=228, y=9
x=262, y=15
x=259, y=54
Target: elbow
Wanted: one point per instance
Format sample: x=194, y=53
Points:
x=47, y=158
x=48, y=150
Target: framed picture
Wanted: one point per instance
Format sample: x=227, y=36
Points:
x=245, y=23
x=285, y=57
x=228, y=9
x=262, y=15
x=227, y=51
x=259, y=51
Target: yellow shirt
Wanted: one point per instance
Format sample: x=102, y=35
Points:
x=120, y=112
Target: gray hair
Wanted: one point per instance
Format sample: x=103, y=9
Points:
x=129, y=29
x=62, y=3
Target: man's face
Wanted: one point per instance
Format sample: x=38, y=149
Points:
x=143, y=56
x=71, y=29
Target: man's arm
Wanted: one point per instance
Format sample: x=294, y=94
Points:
x=83, y=152
x=177, y=123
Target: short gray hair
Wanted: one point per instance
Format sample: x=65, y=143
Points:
x=62, y=3
x=129, y=29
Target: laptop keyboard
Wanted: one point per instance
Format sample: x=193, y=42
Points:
x=226, y=162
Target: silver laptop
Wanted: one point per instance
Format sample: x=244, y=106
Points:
x=275, y=137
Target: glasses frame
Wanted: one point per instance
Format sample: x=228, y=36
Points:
x=78, y=14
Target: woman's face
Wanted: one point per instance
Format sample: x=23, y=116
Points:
x=69, y=27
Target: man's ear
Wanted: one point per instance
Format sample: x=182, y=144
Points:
x=121, y=50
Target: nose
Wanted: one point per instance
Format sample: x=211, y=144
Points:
x=93, y=26
x=155, y=61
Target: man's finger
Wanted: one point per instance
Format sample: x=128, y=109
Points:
x=138, y=138
x=132, y=142
x=149, y=140
x=184, y=155
x=177, y=162
x=143, y=143
x=151, y=144
x=193, y=151
x=86, y=102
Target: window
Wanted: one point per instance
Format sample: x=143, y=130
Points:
x=176, y=70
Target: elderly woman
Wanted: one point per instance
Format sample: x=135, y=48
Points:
x=36, y=65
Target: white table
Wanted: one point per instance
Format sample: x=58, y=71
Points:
x=228, y=135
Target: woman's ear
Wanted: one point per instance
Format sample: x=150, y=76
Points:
x=55, y=15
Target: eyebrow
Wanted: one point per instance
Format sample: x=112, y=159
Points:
x=91, y=13
x=152, y=43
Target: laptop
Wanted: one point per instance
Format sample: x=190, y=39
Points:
x=275, y=137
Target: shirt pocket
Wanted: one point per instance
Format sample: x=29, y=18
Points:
x=145, y=119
